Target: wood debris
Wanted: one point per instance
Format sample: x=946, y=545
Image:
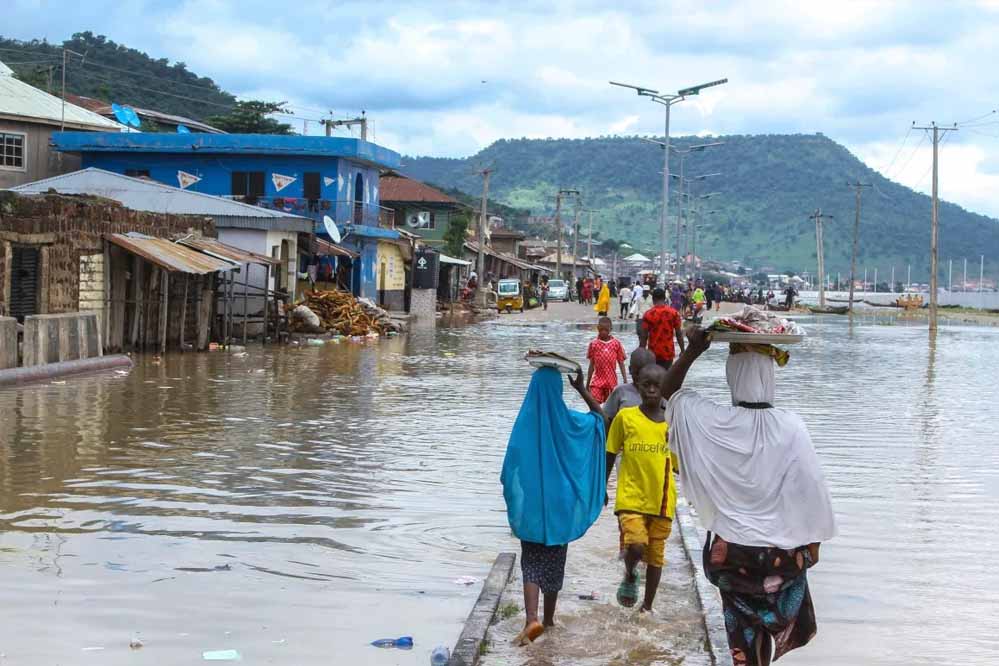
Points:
x=339, y=312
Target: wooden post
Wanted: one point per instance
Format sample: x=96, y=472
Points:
x=137, y=267
x=267, y=306
x=246, y=306
x=183, y=311
x=164, y=308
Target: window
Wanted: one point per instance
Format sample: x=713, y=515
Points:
x=137, y=173
x=248, y=184
x=433, y=221
x=11, y=151
x=312, y=191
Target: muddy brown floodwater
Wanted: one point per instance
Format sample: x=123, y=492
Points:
x=296, y=503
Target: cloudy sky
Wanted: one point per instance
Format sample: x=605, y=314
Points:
x=448, y=78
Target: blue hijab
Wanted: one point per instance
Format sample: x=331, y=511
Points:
x=554, y=471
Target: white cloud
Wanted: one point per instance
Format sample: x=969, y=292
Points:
x=449, y=78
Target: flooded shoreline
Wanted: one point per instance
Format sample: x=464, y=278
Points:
x=296, y=503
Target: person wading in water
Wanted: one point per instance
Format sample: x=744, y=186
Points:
x=751, y=472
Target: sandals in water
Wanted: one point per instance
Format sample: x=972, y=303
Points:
x=627, y=592
x=529, y=634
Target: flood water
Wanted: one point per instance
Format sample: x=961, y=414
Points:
x=296, y=503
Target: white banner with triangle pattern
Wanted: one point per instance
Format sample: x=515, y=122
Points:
x=185, y=179
x=281, y=182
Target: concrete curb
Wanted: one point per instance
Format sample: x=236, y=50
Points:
x=714, y=618
x=38, y=373
x=468, y=648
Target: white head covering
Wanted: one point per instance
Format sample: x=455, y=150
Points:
x=752, y=474
x=751, y=377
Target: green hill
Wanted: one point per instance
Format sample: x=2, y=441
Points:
x=769, y=186
x=116, y=73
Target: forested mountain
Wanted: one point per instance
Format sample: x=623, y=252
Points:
x=116, y=73
x=769, y=185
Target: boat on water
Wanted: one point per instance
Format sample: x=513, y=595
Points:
x=829, y=309
x=875, y=304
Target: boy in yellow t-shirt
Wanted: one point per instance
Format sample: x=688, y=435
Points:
x=646, y=493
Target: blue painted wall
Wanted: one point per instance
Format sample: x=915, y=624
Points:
x=215, y=172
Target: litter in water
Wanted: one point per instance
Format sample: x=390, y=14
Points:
x=466, y=580
x=92, y=649
x=221, y=655
x=135, y=643
x=401, y=643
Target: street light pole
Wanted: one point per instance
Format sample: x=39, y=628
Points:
x=667, y=100
x=558, y=224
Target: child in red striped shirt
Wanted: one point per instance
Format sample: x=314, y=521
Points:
x=606, y=355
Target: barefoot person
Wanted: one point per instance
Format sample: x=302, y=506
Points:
x=751, y=472
x=646, y=493
x=554, y=486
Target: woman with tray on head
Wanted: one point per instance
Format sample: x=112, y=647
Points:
x=751, y=472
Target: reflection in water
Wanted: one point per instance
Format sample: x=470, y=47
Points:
x=297, y=503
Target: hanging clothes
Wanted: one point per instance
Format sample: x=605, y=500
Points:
x=554, y=470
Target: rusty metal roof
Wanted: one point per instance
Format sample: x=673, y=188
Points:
x=326, y=248
x=169, y=255
x=220, y=250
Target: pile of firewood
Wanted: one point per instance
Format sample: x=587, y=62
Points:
x=340, y=312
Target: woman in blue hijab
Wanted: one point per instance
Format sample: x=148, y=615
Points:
x=553, y=483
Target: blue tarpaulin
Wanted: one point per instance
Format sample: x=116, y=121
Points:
x=554, y=471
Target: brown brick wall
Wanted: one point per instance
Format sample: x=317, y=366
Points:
x=71, y=227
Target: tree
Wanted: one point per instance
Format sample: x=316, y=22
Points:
x=251, y=117
x=454, y=235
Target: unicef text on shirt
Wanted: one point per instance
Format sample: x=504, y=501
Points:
x=646, y=447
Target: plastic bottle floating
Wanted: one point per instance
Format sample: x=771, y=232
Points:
x=401, y=643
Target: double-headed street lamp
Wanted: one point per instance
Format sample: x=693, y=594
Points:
x=667, y=100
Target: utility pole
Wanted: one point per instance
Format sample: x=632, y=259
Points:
x=818, y=217
x=62, y=122
x=480, y=295
x=856, y=241
x=981, y=273
x=964, y=283
x=875, y=280
x=950, y=276
x=575, y=241
x=589, y=237
x=558, y=225
x=361, y=120
x=935, y=219
x=908, y=279
x=891, y=285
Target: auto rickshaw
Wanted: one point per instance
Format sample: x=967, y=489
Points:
x=509, y=296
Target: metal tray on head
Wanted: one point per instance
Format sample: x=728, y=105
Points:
x=542, y=359
x=755, y=338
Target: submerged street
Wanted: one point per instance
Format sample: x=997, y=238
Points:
x=296, y=503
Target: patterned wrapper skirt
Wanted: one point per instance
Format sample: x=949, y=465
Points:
x=543, y=565
x=764, y=594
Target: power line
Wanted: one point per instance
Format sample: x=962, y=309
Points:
x=897, y=153
x=911, y=155
x=971, y=120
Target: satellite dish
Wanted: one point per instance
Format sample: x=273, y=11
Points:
x=331, y=228
x=133, y=118
x=119, y=113
x=181, y=129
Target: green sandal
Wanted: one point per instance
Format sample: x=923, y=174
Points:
x=627, y=592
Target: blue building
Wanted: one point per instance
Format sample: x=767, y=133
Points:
x=312, y=176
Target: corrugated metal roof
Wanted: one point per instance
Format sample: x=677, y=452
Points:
x=326, y=248
x=103, y=108
x=169, y=255
x=21, y=100
x=220, y=250
x=155, y=197
x=502, y=256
